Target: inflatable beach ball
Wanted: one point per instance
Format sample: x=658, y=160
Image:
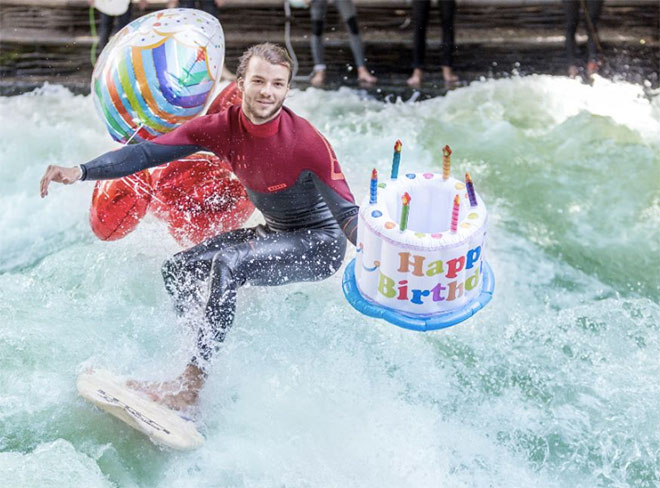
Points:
x=158, y=72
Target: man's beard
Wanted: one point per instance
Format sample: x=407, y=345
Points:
x=268, y=115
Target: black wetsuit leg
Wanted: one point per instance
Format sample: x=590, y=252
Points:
x=210, y=7
x=258, y=256
x=594, y=8
x=447, y=11
x=123, y=20
x=571, y=17
x=105, y=27
x=420, y=18
x=186, y=273
x=317, y=11
x=109, y=25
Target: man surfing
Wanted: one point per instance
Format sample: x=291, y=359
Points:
x=291, y=175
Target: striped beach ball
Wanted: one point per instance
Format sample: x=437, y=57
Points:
x=158, y=72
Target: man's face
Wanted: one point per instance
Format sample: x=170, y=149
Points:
x=264, y=88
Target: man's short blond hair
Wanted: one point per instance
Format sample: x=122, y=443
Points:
x=268, y=51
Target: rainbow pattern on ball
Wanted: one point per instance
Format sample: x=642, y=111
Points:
x=158, y=72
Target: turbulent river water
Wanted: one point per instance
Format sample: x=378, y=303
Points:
x=554, y=384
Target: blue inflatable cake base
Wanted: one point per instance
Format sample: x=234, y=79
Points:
x=419, y=323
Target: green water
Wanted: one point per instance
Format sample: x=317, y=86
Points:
x=554, y=384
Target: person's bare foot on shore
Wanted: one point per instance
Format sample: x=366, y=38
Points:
x=448, y=75
x=592, y=67
x=365, y=77
x=318, y=78
x=573, y=71
x=180, y=394
x=415, y=81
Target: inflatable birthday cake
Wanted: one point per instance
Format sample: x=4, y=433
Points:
x=421, y=247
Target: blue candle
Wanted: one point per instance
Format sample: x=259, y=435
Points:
x=396, y=159
x=373, y=194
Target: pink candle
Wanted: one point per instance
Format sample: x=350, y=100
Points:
x=454, y=214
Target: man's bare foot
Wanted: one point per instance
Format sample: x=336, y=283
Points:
x=593, y=67
x=365, y=77
x=448, y=75
x=318, y=78
x=573, y=71
x=179, y=394
x=415, y=81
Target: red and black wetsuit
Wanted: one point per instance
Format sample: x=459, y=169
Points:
x=291, y=175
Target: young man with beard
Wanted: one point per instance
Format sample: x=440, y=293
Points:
x=291, y=175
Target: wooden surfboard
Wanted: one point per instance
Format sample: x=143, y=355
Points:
x=161, y=424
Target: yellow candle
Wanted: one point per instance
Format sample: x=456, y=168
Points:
x=446, y=162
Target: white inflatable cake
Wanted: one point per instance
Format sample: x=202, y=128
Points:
x=431, y=267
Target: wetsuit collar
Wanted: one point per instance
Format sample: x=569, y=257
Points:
x=270, y=128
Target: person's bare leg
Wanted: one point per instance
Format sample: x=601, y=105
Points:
x=448, y=75
x=318, y=78
x=179, y=394
x=416, y=79
x=365, y=77
x=573, y=71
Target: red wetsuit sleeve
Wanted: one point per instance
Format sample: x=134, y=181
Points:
x=210, y=132
x=322, y=162
x=320, y=158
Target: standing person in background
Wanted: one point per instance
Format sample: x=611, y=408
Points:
x=107, y=25
x=347, y=10
x=592, y=10
x=420, y=16
x=210, y=7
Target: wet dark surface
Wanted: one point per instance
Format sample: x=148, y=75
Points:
x=634, y=64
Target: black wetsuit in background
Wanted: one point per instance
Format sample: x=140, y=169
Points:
x=420, y=17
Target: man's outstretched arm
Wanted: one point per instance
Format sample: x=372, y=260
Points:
x=117, y=164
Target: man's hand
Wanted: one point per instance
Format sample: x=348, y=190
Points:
x=59, y=174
